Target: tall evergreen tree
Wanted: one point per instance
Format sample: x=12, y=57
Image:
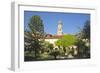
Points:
x=86, y=30
x=36, y=23
x=34, y=34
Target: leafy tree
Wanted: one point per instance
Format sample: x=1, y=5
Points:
x=55, y=52
x=84, y=46
x=66, y=41
x=46, y=47
x=27, y=41
x=59, y=43
x=86, y=30
x=36, y=24
x=83, y=49
x=35, y=34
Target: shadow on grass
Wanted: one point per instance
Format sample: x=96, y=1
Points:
x=30, y=58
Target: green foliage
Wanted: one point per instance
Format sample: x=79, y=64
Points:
x=66, y=41
x=46, y=46
x=69, y=40
x=36, y=24
x=86, y=30
x=28, y=41
x=59, y=42
x=83, y=50
x=55, y=52
x=35, y=32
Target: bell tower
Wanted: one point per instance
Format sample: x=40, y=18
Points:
x=59, y=30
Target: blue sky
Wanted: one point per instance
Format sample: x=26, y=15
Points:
x=71, y=21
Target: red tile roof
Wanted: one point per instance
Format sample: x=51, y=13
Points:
x=54, y=37
x=49, y=36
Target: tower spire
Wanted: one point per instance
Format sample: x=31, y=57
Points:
x=59, y=30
